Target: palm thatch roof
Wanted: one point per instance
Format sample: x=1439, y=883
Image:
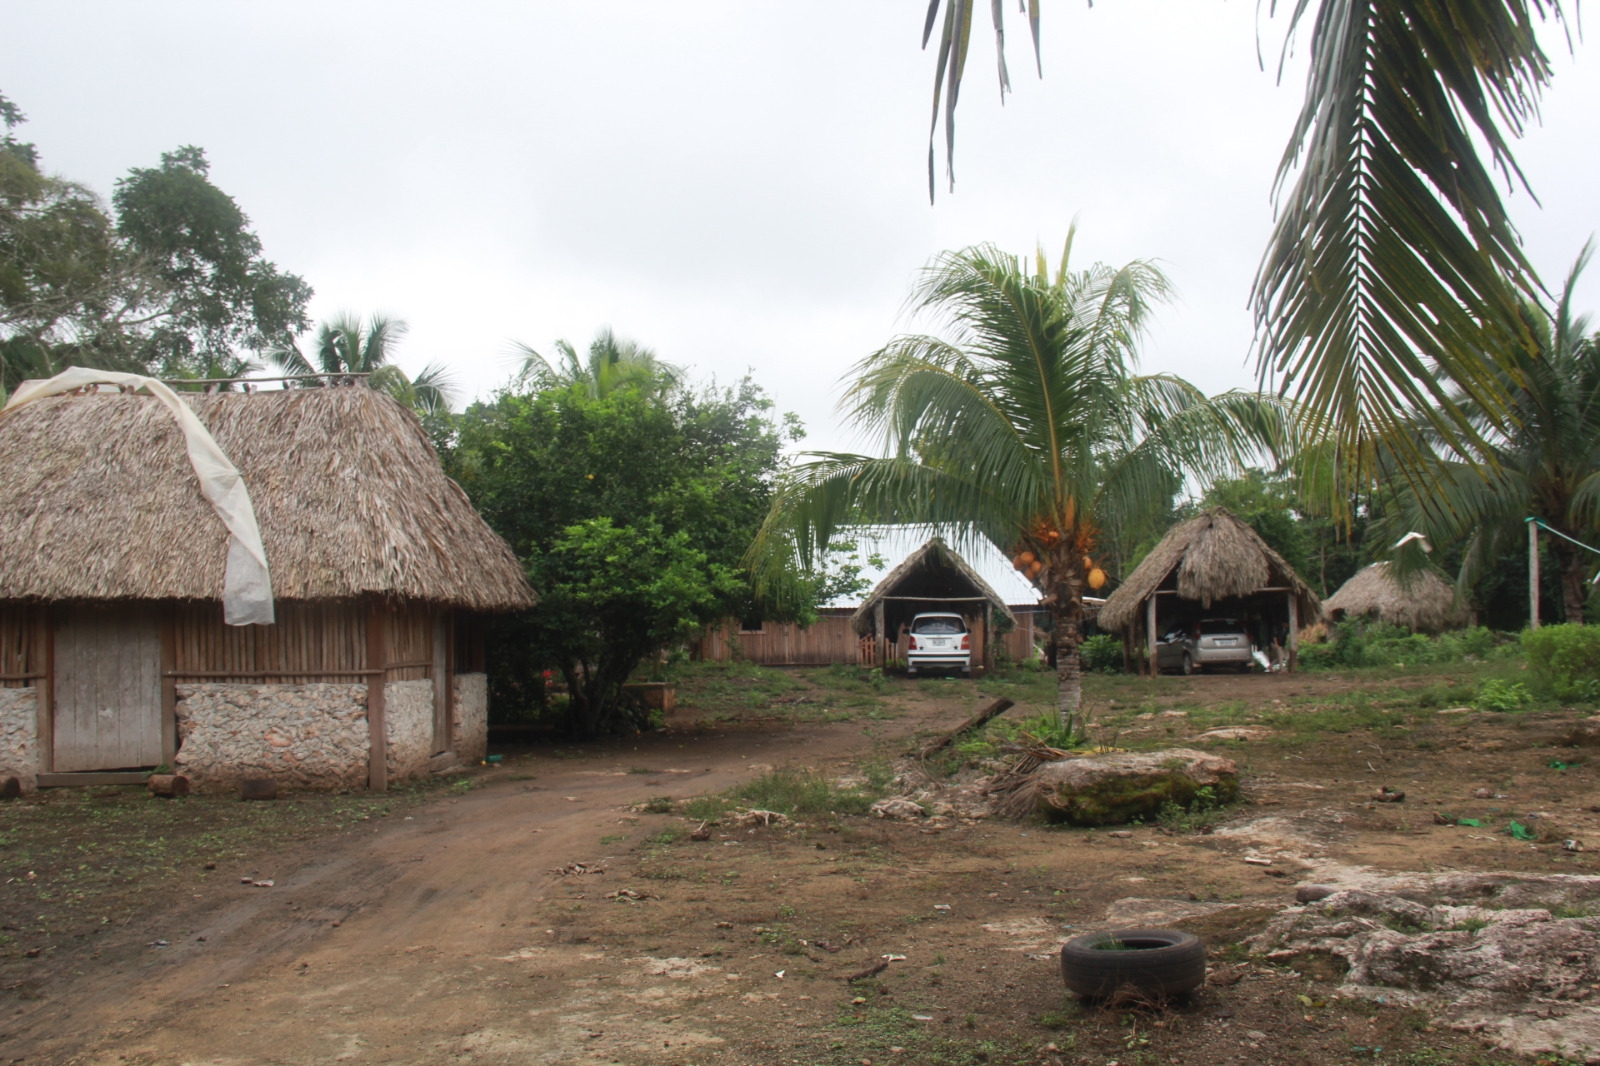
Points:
x=1422, y=601
x=1212, y=557
x=932, y=572
x=99, y=502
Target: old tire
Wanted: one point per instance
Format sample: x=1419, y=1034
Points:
x=1158, y=963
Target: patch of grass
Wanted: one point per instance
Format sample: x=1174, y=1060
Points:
x=641, y=770
x=613, y=838
x=795, y=791
x=658, y=805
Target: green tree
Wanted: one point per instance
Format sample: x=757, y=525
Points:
x=1544, y=464
x=571, y=477
x=347, y=345
x=1381, y=298
x=173, y=283
x=612, y=363
x=1024, y=425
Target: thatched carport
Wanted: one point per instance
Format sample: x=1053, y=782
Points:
x=114, y=655
x=932, y=578
x=1422, y=602
x=1213, y=563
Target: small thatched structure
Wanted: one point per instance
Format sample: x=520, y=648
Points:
x=1215, y=564
x=1422, y=602
x=932, y=578
x=113, y=652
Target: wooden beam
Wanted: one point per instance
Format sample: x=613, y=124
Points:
x=1154, y=665
x=377, y=721
x=450, y=676
x=1294, y=632
x=94, y=777
x=45, y=696
x=877, y=622
x=1533, y=574
x=944, y=740
x=169, y=690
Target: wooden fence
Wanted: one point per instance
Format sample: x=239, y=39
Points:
x=831, y=640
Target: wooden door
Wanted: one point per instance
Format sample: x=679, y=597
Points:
x=107, y=689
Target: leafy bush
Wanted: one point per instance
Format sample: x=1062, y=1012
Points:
x=1101, y=654
x=1356, y=642
x=1564, y=660
x=1318, y=656
x=1504, y=696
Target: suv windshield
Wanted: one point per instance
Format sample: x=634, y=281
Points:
x=938, y=625
x=1212, y=626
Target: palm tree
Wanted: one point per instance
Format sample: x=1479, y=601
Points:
x=1383, y=287
x=1544, y=463
x=344, y=344
x=613, y=363
x=1023, y=425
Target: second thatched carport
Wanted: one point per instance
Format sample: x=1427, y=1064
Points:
x=1422, y=602
x=932, y=578
x=1212, y=564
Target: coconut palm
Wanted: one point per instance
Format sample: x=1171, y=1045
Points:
x=613, y=363
x=1544, y=464
x=1021, y=424
x=344, y=344
x=1386, y=267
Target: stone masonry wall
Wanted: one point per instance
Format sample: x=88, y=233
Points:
x=19, y=735
x=408, y=710
x=309, y=736
x=471, y=726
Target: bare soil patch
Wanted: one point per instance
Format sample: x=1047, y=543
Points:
x=446, y=931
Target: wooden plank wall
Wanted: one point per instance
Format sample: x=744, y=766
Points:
x=309, y=642
x=831, y=640
x=22, y=643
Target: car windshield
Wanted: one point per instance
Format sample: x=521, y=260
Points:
x=1212, y=626
x=938, y=625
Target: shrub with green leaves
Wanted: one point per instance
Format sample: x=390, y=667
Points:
x=1101, y=654
x=1564, y=660
x=1503, y=696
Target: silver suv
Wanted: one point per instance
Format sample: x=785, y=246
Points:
x=938, y=640
x=1214, y=642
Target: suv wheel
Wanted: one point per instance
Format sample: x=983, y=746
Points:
x=1188, y=664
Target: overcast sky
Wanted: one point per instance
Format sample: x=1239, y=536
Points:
x=738, y=185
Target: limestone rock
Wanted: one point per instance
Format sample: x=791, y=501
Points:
x=898, y=809
x=1113, y=789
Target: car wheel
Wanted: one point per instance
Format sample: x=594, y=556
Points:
x=1158, y=963
x=1188, y=665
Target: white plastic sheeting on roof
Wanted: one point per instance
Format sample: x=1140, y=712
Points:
x=247, y=583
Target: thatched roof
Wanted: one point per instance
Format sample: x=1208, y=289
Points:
x=1216, y=557
x=1423, y=602
x=933, y=571
x=99, y=501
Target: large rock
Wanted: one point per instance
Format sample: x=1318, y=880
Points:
x=1113, y=789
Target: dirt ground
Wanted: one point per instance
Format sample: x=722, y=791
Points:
x=440, y=927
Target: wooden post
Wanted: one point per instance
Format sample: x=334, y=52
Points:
x=45, y=695
x=1533, y=573
x=1150, y=633
x=1294, y=631
x=377, y=723
x=169, y=692
x=877, y=621
x=450, y=677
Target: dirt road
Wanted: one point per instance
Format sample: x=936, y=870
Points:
x=396, y=947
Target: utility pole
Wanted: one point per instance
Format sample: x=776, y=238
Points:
x=1533, y=573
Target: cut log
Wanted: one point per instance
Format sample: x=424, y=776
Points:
x=168, y=785
x=944, y=740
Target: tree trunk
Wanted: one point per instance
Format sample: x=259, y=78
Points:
x=1573, y=571
x=1069, y=673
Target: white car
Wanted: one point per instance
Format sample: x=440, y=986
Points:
x=939, y=640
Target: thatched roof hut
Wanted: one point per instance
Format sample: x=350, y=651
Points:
x=1423, y=601
x=932, y=578
x=114, y=655
x=1211, y=561
x=99, y=502
x=933, y=574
